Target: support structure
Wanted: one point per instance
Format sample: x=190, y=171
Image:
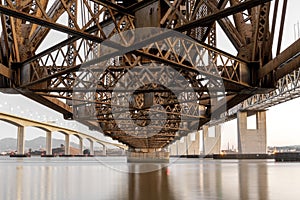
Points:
x=49, y=128
x=104, y=150
x=49, y=74
x=187, y=146
x=81, y=145
x=183, y=146
x=212, y=144
x=252, y=140
x=67, y=144
x=174, y=149
x=147, y=156
x=92, y=147
x=21, y=140
x=48, y=143
x=193, y=140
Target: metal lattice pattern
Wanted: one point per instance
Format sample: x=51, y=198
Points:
x=287, y=88
x=50, y=75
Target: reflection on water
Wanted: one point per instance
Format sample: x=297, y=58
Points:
x=87, y=178
x=150, y=185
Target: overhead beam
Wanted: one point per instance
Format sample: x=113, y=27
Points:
x=207, y=20
x=43, y=22
x=70, y=40
x=279, y=60
x=5, y=71
x=288, y=67
x=114, y=6
x=215, y=6
x=122, y=50
x=50, y=102
x=140, y=5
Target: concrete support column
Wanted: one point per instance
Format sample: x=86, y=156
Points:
x=104, y=150
x=67, y=144
x=81, y=146
x=21, y=140
x=212, y=145
x=252, y=140
x=48, y=143
x=182, y=146
x=92, y=147
x=173, y=149
x=193, y=140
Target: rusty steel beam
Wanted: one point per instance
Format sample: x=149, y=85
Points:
x=69, y=40
x=114, y=6
x=283, y=57
x=5, y=71
x=151, y=56
x=140, y=5
x=50, y=102
x=49, y=24
x=205, y=21
x=218, y=6
x=281, y=26
x=289, y=67
x=273, y=24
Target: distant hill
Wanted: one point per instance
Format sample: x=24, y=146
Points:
x=10, y=144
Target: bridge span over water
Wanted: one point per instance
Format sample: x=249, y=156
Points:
x=22, y=122
x=148, y=73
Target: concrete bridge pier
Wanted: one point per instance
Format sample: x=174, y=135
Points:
x=104, y=150
x=193, y=142
x=183, y=146
x=186, y=146
x=92, y=147
x=21, y=140
x=81, y=145
x=147, y=156
x=48, y=143
x=67, y=144
x=173, y=148
x=212, y=144
x=252, y=140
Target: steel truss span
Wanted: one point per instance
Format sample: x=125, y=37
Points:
x=147, y=72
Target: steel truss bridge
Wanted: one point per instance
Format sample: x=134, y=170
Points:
x=60, y=54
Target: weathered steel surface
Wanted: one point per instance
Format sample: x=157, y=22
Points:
x=49, y=75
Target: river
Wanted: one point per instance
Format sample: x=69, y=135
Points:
x=112, y=178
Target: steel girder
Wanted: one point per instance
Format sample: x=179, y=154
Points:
x=51, y=74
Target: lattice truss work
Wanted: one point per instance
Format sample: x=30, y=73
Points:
x=287, y=88
x=65, y=54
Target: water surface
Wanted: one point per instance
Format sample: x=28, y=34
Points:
x=108, y=178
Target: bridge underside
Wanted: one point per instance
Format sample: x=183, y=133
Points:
x=147, y=87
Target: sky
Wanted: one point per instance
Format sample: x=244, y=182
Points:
x=282, y=120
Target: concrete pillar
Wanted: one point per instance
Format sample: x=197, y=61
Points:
x=21, y=140
x=147, y=155
x=104, y=149
x=48, y=143
x=252, y=140
x=81, y=146
x=92, y=147
x=173, y=149
x=67, y=144
x=182, y=146
x=212, y=145
x=202, y=143
x=193, y=145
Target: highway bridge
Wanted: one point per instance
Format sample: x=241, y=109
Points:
x=21, y=123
